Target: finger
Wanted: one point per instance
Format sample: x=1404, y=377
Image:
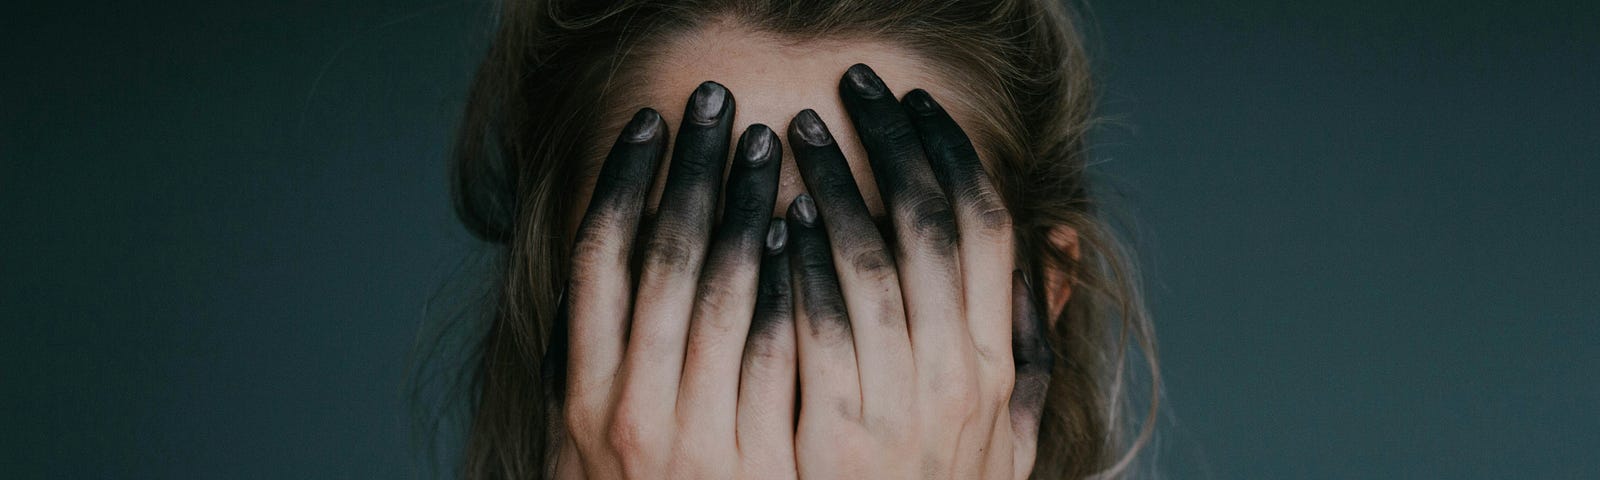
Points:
x=675, y=248
x=925, y=233
x=727, y=294
x=767, y=383
x=986, y=235
x=600, y=290
x=830, y=382
x=1034, y=359
x=865, y=266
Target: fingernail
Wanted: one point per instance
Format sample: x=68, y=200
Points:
x=707, y=101
x=756, y=146
x=643, y=127
x=1023, y=277
x=811, y=129
x=864, y=81
x=777, y=236
x=921, y=102
x=804, y=210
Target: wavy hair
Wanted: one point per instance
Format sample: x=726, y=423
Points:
x=541, y=94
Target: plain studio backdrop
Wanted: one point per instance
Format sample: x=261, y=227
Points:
x=1369, y=231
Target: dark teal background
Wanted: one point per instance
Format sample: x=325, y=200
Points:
x=1369, y=230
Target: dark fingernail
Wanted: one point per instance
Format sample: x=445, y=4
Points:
x=921, y=102
x=864, y=81
x=804, y=210
x=810, y=128
x=756, y=146
x=777, y=236
x=644, y=126
x=707, y=101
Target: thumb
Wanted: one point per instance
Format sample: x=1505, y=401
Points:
x=1034, y=358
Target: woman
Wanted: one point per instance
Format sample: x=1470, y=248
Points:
x=944, y=301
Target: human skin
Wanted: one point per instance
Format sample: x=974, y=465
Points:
x=721, y=274
x=902, y=338
x=775, y=79
x=778, y=77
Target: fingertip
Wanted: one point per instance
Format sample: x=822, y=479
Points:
x=757, y=144
x=803, y=210
x=921, y=103
x=646, y=125
x=863, y=81
x=808, y=128
x=777, y=236
x=709, y=103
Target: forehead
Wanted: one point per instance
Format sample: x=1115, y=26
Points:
x=773, y=78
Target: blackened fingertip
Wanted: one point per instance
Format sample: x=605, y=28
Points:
x=804, y=210
x=756, y=144
x=921, y=103
x=706, y=105
x=864, y=81
x=777, y=236
x=646, y=124
x=809, y=127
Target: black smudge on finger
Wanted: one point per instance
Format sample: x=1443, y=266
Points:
x=955, y=163
x=694, y=178
x=752, y=189
x=629, y=168
x=905, y=180
x=1030, y=346
x=811, y=266
x=827, y=175
x=774, y=300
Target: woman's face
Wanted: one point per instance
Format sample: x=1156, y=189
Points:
x=772, y=81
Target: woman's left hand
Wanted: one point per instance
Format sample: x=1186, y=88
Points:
x=921, y=352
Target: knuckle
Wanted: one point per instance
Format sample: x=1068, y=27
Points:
x=872, y=262
x=596, y=243
x=765, y=353
x=578, y=418
x=986, y=208
x=957, y=393
x=670, y=251
x=932, y=221
x=896, y=136
x=828, y=317
x=1005, y=381
x=628, y=436
x=711, y=297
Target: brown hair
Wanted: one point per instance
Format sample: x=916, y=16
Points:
x=540, y=97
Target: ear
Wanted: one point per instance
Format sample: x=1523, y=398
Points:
x=1058, y=283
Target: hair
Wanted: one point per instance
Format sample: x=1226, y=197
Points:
x=542, y=93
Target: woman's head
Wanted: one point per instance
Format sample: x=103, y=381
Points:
x=562, y=76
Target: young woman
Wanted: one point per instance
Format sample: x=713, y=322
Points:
x=936, y=297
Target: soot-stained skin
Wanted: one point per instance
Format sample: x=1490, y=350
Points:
x=617, y=202
x=912, y=196
x=682, y=228
x=827, y=176
x=955, y=162
x=610, y=225
x=1033, y=355
x=811, y=268
x=624, y=179
x=773, y=300
x=747, y=205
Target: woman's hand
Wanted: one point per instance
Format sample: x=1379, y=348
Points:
x=906, y=343
x=661, y=382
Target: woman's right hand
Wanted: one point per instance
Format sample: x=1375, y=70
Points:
x=660, y=379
